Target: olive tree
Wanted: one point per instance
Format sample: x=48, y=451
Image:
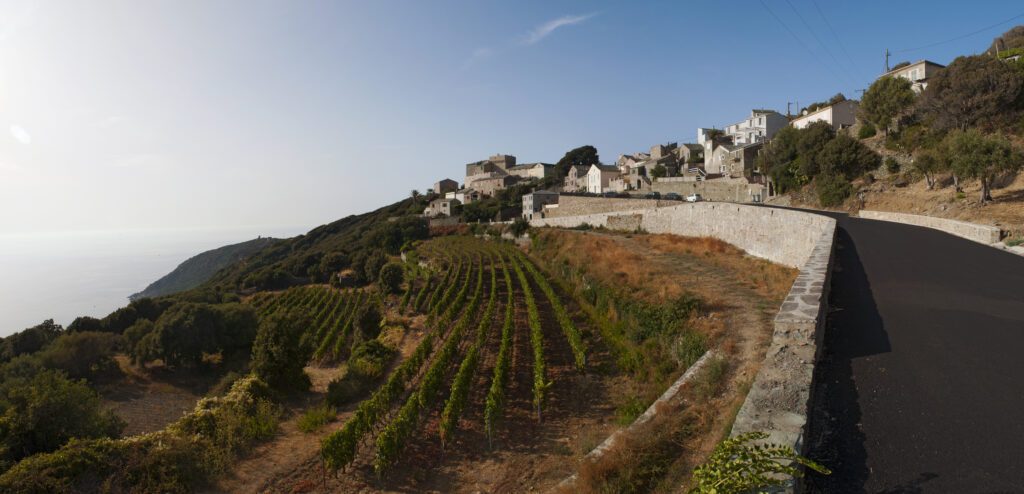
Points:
x=983, y=157
x=885, y=99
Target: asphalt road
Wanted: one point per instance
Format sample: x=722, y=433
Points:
x=920, y=385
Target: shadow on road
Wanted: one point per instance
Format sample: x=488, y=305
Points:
x=854, y=329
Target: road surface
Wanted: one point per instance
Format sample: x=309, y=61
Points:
x=921, y=383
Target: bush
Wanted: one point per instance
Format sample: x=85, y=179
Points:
x=316, y=417
x=391, y=277
x=892, y=166
x=280, y=352
x=367, y=320
x=832, y=190
x=867, y=130
x=47, y=412
x=738, y=465
x=519, y=227
x=366, y=366
x=82, y=355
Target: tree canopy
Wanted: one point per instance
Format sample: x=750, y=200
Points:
x=975, y=90
x=885, y=99
x=581, y=156
x=973, y=154
x=281, y=351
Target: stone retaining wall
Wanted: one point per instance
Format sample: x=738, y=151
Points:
x=971, y=231
x=779, y=399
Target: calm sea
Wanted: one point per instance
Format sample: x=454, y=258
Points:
x=64, y=275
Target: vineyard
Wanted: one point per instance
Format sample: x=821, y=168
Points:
x=496, y=336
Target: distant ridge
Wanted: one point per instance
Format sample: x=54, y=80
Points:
x=197, y=269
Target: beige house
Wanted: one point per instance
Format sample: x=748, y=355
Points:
x=840, y=116
x=464, y=196
x=440, y=207
x=598, y=177
x=576, y=179
x=917, y=73
x=532, y=170
x=534, y=202
x=487, y=187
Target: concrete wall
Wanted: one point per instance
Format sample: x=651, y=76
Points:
x=713, y=190
x=579, y=205
x=972, y=231
x=780, y=397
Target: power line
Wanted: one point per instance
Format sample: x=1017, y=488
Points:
x=798, y=40
x=972, y=33
x=833, y=31
x=816, y=38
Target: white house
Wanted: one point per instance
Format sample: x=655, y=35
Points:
x=917, y=73
x=761, y=125
x=598, y=177
x=839, y=116
x=440, y=207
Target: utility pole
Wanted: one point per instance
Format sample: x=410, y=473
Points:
x=887, y=60
x=788, y=114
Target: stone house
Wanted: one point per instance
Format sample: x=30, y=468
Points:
x=464, y=196
x=487, y=187
x=441, y=207
x=690, y=155
x=761, y=125
x=532, y=170
x=598, y=177
x=445, y=186
x=576, y=179
x=534, y=202
x=917, y=73
x=840, y=116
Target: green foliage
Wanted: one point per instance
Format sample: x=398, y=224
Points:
x=372, y=265
x=867, y=130
x=974, y=155
x=316, y=417
x=738, y=465
x=49, y=410
x=832, y=189
x=391, y=277
x=85, y=323
x=540, y=382
x=200, y=268
x=659, y=171
x=519, y=227
x=973, y=90
x=29, y=340
x=367, y=320
x=187, y=331
x=813, y=107
x=82, y=355
x=885, y=100
x=569, y=329
x=891, y=165
x=581, y=156
x=281, y=351
x=847, y=157
x=495, y=401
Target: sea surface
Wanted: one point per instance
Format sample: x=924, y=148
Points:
x=64, y=275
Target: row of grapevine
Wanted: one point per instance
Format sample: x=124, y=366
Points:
x=572, y=333
x=495, y=401
x=391, y=441
x=340, y=447
x=540, y=382
x=460, y=385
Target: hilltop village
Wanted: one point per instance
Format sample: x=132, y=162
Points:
x=721, y=164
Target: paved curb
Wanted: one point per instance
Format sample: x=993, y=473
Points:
x=983, y=234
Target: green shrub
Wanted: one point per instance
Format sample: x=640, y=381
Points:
x=832, y=190
x=519, y=227
x=628, y=411
x=281, y=351
x=891, y=165
x=867, y=130
x=391, y=277
x=1013, y=242
x=366, y=366
x=316, y=417
x=739, y=465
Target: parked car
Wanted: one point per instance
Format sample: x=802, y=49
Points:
x=672, y=196
x=610, y=194
x=652, y=195
x=694, y=198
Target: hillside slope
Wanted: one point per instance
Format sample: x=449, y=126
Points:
x=197, y=269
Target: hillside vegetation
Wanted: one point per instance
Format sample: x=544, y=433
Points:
x=199, y=268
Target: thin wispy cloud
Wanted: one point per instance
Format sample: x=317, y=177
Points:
x=544, y=30
x=21, y=135
x=479, y=54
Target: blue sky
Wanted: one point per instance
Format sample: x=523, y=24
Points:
x=128, y=115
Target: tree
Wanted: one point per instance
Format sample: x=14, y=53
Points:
x=1014, y=38
x=188, y=330
x=581, y=156
x=50, y=410
x=391, y=277
x=885, y=99
x=976, y=155
x=281, y=351
x=929, y=162
x=367, y=320
x=659, y=171
x=373, y=264
x=85, y=323
x=29, y=340
x=519, y=227
x=811, y=140
x=847, y=157
x=832, y=189
x=972, y=91
x=414, y=195
x=85, y=354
